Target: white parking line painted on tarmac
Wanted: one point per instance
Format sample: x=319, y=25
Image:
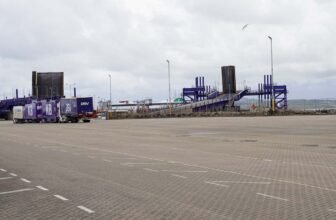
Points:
x=92, y=157
x=3, y=170
x=6, y=178
x=61, y=197
x=42, y=188
x=267, y=160
x=16, y=191
x=241, y=182
x=332, y=210
x=13, y=174
x=185, y=171
x=216, y=184
x=119, y=158
x=85, y=209
x=259, y=177
x=49, y=147
x=150, y=170
x=131, y=164
x=25, y=180
x=272, y=197
x=123, y=158
x=179, y=176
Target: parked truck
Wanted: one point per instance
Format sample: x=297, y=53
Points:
x=75, y=109
x=18, y=114
x=52, y=111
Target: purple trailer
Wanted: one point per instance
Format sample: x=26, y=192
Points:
x=41, y=111
x=29, y=113
x=48, y=111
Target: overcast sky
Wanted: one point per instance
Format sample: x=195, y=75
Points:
x=131, y=40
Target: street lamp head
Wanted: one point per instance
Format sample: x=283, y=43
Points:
x=270, y=37
x=167, y=61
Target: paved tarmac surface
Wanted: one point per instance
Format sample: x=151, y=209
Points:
x=194, y=168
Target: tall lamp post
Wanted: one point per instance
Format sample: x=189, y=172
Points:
x=272, y=81
x=110, y=93
x=169, y=101
x=68, y=85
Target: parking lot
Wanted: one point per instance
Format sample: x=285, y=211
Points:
x=192, y=168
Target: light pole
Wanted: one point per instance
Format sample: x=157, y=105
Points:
x=272, y=81
x=169, y=101
x=68, y=85
x=110, y=92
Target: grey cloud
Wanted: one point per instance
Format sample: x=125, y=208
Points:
x=132, y=39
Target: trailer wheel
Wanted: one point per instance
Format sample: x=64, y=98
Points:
x=74, y=120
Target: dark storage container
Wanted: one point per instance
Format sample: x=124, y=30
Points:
x=229, y=79
x=85, y=105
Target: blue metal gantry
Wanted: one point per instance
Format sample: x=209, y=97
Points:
x=201, y=98
x=197, y=93
x=264, y=94
x=6, y=106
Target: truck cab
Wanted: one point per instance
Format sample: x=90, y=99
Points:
x=18, y=114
